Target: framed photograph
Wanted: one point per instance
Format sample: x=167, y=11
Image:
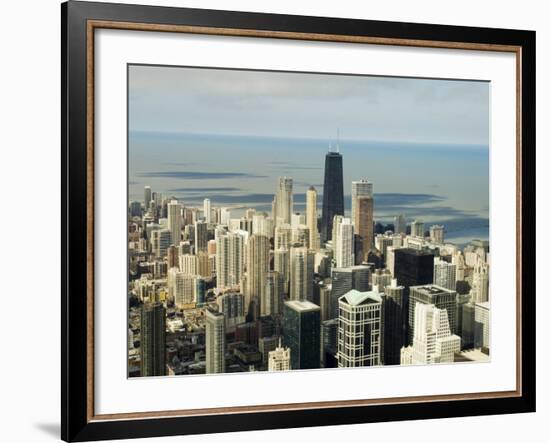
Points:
x=277, y=221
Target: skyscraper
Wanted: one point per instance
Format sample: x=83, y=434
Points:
x=301, y=333
x=417, y=228
x=344, y=247
x=282, y=266
x=215, y=342
x=279, y=359
x=437, y=234
x=311, y=218
x=333, y=193
x=343, y=281
x=302, y=262
x=153, y=332
x=413, y=267
x=399, y=224
x=201, y=237
x=433, y=340
x=229, y=260
x=284, y=200
x=359, y=329
x=444, y=274
x=272, y=301
x=329, y=343
x=364, y=226
x=174, y=221
x=147, y=196
x=207, y=210
x=435, y=295
x=257, y=267
x=395, y=318
x=360, y=188
x=480, y=282
x=160, y=242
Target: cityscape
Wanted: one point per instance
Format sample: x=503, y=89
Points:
x=321, y=275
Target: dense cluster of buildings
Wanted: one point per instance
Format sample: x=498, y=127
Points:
x=211, y=292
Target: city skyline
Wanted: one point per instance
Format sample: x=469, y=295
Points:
x=253, y=258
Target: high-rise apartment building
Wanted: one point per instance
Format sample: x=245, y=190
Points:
x=302, y=263
x=272, y=301
x=344, y=247
x=283, y=201
x=417, y=228
x=229, y=260
x=147, y=197
x=281, y=264
x=359, y=189
x=360, y=332
x=480, y=282
x=312, y=218
x=257, y=266
x=437, y=234
x=207, y=210
x=215, y=342
x=399, y=224
x=174, y=221
x=444, y=274
x=201, y=237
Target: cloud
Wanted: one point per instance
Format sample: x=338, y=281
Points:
x=199, y=175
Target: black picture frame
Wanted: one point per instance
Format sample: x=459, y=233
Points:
x=76, y=424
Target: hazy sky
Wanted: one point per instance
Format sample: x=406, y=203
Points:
x=215, y=101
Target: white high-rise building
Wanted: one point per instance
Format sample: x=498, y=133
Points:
x=174, y=221
x=257, y=266
x=283, y=236
x=279, y=359
x=312, y=217
x=480, y=282
x=437, y=234
x=262, y=225
x=182, y=287
x=302, y=262
x=458, y=261
x=361, y=188
x=359, y=329
x=207, y=210
x=225, y=216
x=284, y=200
x=444, y=274
x=215, y=342
x=188, y=264
x=417, y=228
x=272, y=301
x=432, y=340
x=229, y=260
x=345, y=244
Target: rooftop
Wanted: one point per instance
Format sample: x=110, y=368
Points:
x=302, y=305
x=354, y=297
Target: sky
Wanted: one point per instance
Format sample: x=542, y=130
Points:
x=283, y=104
x=227, y=135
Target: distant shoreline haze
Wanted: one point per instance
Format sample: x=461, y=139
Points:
x=438, y=183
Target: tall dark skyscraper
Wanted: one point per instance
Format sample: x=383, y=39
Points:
x=153, y=336
x=302, y=333
x=333, y=193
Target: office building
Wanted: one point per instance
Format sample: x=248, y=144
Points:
x=413, y=267
x=480, y=282
x=482, y=333
x=272, y=301
x=301, y=333
x=229, y=260
x=437, y=234
x=360, y=329
x=433, y=340
x=153, y=342
x=201, y=237
x=257, y=267
x=333, y=193
x=147, y=197
x=399, y=224
x=343, y=281
x=329, y=343
x=395, y=320
x=281, y=264
x=161, y=239
x=279, y=359
x=435, y=295
x=231, y=305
